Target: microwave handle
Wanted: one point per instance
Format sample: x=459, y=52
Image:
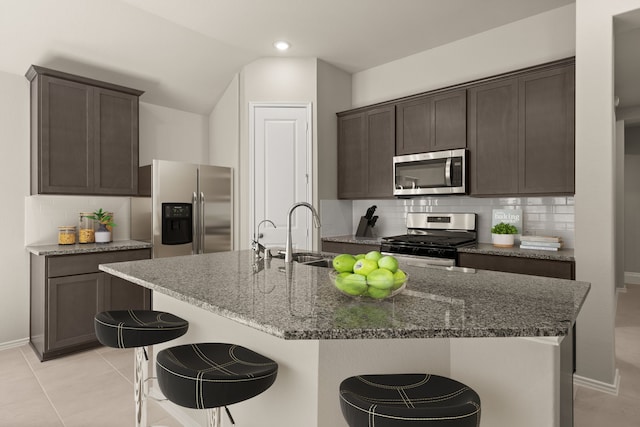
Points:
x=447, y=172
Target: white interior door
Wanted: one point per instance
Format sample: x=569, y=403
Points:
x=281, y=156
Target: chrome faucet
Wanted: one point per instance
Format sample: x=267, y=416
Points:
x=288, y=254
x=257, y=246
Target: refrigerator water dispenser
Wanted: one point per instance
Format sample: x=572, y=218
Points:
x=177, y=223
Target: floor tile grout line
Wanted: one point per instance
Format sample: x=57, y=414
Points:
x=114, y=367
x=35, y=376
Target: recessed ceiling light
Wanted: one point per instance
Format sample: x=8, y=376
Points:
x=282, y=45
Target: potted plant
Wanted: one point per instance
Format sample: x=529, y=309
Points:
x=105, y=219
x=503, y=235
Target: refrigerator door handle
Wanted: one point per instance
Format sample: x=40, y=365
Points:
x=194, y=238
x=202, y=222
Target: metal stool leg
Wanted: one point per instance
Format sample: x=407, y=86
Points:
x=140, y=386
x=213, y=417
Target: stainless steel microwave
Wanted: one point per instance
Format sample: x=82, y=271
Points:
x=438, y=172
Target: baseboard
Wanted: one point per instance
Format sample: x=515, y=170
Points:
x=632, y=278
x=599, y=385
x=11, y=344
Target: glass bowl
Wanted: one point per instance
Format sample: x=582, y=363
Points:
x=364, y=290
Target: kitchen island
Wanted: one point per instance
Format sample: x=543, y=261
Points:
x=507, y=336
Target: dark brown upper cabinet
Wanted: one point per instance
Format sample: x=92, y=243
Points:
x=432, y=123
x=546, y=140
x=521, y=133
x=493, y=138
x=84, y=135
x=365, y=153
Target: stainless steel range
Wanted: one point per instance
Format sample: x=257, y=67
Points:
x=433, y=238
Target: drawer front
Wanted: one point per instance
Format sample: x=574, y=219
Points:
x=67, y=265
x=531, y=266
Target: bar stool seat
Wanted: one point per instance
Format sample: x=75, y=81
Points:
x=137, y=328
x=213, y=375
x=401, y=400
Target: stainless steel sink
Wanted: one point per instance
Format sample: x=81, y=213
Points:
x=322, y=262
x=314, y=259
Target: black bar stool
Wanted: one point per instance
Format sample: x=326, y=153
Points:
x=212, y=375
x=402, y=400
x=138, y=329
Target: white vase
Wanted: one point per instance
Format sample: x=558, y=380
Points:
x=103, y=236
x=503, y=240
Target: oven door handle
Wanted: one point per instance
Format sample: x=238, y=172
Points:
x=447, y=172
x=423, y=261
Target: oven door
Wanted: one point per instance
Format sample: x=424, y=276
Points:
x=441, y=172
x=422, y=261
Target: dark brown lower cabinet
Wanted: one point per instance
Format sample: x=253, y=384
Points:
x=510, y=264
x=66, y=293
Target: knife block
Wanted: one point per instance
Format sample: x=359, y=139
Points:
x=364, y=229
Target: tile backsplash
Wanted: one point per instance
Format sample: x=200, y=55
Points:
x=549, y=216
x=44, y=214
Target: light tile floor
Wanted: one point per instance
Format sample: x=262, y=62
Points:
x=597, y=409
x=92, y=388
x=95, y=388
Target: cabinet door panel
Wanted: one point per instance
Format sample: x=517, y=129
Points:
x=66, y=140
x=546, y=139
x=449, y=121
x=352, y=158
x=121, y=294
x=73, y=302
x=380, y=150
x=493, y=138
x=413, y=131
x=116, y=136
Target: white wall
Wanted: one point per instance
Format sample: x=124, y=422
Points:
x=632, y=204
x=224, y=143
x=170, y=134
x=270, y=80
x=14, y=176
x=595, y=141
x=334, y=95
x=541, y=38
x=284, y=80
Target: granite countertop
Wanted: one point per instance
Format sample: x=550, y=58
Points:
x=300, y=302
x=353, y=239
x=87, y=248
x=480, y=248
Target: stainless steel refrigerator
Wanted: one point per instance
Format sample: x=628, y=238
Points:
x=184, y=209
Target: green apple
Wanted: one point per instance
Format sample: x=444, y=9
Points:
x=364, y=266
x=359, y=256
x=378, y=293
x=350, y=283
x=380, y=278
x=389, y=262
x=374, y=255
x=399, y=277
x=344, y=263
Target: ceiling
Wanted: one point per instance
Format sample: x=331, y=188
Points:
x=184, y=53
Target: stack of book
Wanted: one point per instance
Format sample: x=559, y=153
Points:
x=544, y=243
